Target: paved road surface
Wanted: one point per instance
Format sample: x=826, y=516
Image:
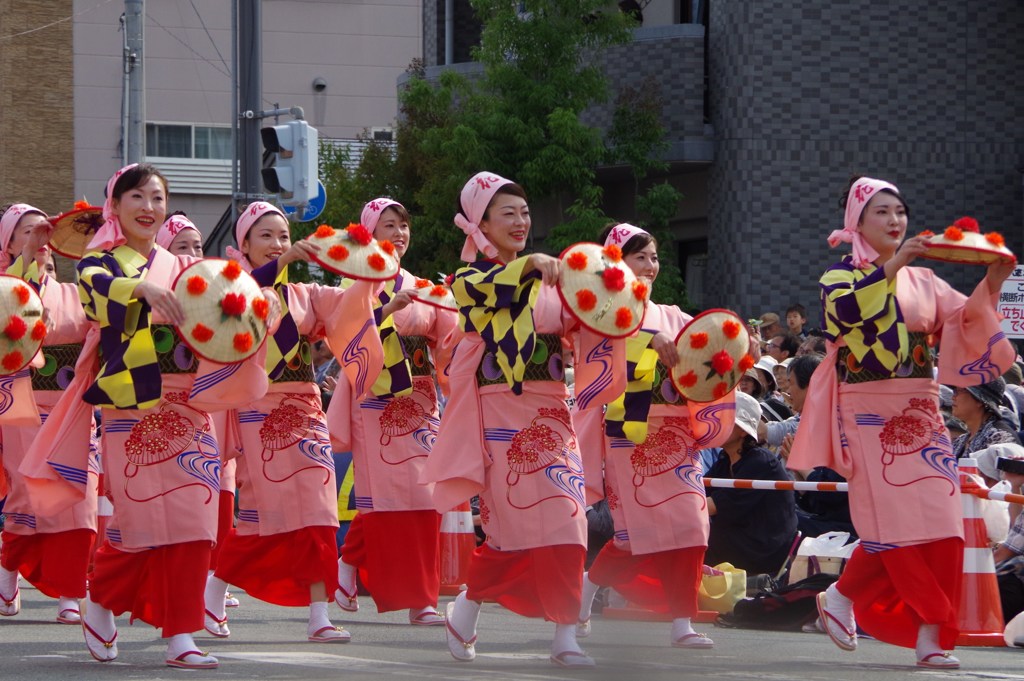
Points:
x=268, y=642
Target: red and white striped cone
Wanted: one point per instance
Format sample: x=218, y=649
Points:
x=458, y=541
x=981, y=615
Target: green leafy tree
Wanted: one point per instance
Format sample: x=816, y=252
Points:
x=520, y=118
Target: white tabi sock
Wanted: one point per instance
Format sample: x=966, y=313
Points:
x=179, y=644
x=100, y=619
x=347, y=577
x=840, y=606
x=681, y=626
x=465, y=615
x=565, y=639
x=927, y=640
x=8, y=582
x=318, y=618
x=587, y=602
x=216, y=588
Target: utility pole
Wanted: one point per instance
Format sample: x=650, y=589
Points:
x=135, y=14
x=247, y=94
x=250, y=95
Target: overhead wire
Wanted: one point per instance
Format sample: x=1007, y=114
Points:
x=54, y=23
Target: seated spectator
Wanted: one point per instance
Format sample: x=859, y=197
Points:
x=817, y=512
x=752, y=384
x=1014, y=391
x=325, y=371
x=995, y=513
x=799, y=375
x=770, y=326
x=752, y=529
x=766, y=366
x=955, y=427
x=774, y=410
x=978, y=407
x=782, y=346
x=781, y=372
x=821, y=512
x=813, y=344
x=1009, y=555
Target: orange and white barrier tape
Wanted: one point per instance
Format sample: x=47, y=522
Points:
x=784, y=485
x=993, y=495
x=805, y=486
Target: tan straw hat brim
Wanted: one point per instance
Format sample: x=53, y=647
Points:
x=353, y=252
x=21, y=324
x=225, y=312
x=600, y=291
x=438, y=295
x=714, y=354
x=73, y=230
x=973, y=250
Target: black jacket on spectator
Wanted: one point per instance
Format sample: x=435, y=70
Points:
x=752, y=529
x=821, y=512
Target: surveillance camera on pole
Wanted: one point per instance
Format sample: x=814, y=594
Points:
x=293, y=176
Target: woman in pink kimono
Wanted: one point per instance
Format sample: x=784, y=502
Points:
x=160, y=460
x=393, y=541
x=179, y=236
x=52, y=553
x=872, y=414
x=283, y=550
x=506, y=433
x=649, y=442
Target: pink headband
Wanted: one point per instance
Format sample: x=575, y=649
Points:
x=622, y=233
x=252, y=213
x=12, y=216
x=862, y=191
x=373, y=210
x=109, y=235
x=476, y=196
x=172, y=227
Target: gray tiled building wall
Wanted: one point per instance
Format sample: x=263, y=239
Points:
x=671, y=58
x=466, y=33
x=925, y=94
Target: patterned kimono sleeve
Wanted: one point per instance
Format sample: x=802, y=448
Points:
x=496, y=301
x=860, y=306
x=973, y=348
x=483, y=288
x=107, y=298
x=32, y=275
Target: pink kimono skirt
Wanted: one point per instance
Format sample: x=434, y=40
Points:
x=287, y=521
x=163, y=470
x=51, y=552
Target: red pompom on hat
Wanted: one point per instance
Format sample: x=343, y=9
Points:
x=231, y=304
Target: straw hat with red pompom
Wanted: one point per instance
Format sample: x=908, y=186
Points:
x=963, y=242
x=438, y=295
x=22, y=328
x=225, y=311
x=73, y=230
x=714, y=353
x=600, y=290
x=353, y=252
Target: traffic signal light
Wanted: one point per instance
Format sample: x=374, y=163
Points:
x=294, y=174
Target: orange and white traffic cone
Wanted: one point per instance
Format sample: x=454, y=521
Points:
x=981, y=615
x=458, y=541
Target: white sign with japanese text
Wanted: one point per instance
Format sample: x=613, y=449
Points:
x=1011, y=304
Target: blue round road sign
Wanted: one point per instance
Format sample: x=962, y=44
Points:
x=313, y=208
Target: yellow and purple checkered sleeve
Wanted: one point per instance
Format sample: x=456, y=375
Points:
x=496, y=301
x=860, y=306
